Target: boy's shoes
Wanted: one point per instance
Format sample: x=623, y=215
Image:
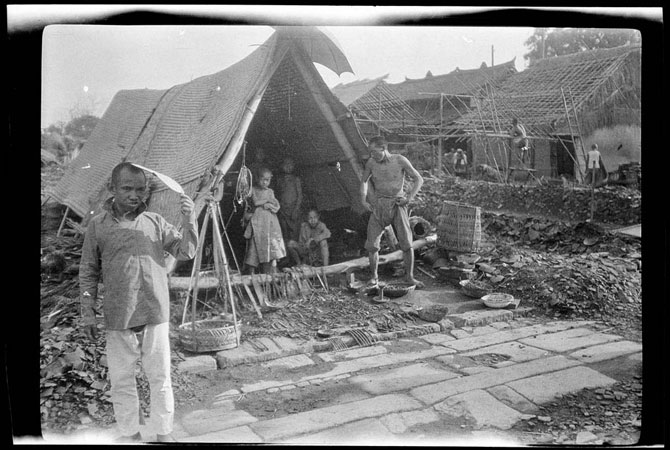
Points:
x=372, y=284
x=137, y=437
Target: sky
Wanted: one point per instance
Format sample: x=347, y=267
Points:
x=84, y=65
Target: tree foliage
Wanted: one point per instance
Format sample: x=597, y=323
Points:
x=549, y=42
x=82, y=126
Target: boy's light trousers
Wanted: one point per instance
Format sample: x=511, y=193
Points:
x=124, y=349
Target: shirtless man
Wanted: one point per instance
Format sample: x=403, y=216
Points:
x=388, y=204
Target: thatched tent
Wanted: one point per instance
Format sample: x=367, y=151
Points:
x=274, y=99
x=561, y=101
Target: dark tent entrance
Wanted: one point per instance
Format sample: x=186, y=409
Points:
x=289, y=123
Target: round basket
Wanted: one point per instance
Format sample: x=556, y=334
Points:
x=210, y=335
x=473, y=289
x=433, y=313
x=497, y=300
x=397, y=289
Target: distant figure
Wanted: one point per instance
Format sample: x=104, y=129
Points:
x=460, y=163
x=519, y=140
x=289, y=189
x=265, y=244
x=257, y=164
x=312, y=244
x=595, y=169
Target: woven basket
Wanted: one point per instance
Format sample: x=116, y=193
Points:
x=210, y=335
x=397, y=290
x=498, y=300
x=459, y=227
x=472, y=290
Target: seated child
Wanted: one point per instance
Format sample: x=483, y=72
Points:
x=265, y=244
x=312, y=244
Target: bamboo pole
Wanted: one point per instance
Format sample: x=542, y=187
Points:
x=192, y=286
x=579, y=126
x=62, y=222
x=325, y=109
x=208, y=281
x=220, y=253
x=567, y=116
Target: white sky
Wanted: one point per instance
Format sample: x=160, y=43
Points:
x=85, y=65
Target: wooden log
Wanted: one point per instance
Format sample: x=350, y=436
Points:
x=209, y=282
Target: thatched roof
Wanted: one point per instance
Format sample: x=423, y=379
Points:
x=185, y=130
x=373, y=101
x=456, y=82
x=602, y=86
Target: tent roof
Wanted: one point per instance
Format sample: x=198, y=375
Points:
x=456, y=82
x=181, y=131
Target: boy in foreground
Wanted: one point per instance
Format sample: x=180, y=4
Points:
x=124, y=247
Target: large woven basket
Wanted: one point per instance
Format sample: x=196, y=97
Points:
x=459, y=227
x=210, y=335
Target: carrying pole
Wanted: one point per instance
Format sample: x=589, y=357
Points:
x=220, y=255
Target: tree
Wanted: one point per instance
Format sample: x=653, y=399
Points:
x=549, y=42
x=81, y=127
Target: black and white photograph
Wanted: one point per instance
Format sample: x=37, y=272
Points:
x=339, y=225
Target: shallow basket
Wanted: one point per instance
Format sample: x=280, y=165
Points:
x=471, y=291
x=433, y=313
x=397, y=290
x=210, y=335
x=498, y=300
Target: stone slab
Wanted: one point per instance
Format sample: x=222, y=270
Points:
x=480, y=317
x=398, y=423
x=367, y=432
x=323, y=418
x=385, y=359
x=272, y=349
x=290, y=362
x=433, y=393
x=567, y=340
x=262, y=385
x=436, y=338
x=603, y=352
x=198, y=364
x=205, y=421
x=358, y=352
x=401, y=378
x=511, y=335
x=516, y=351
x=513, y=399
x=237, y=435
x=483, y=408
x=543, y=388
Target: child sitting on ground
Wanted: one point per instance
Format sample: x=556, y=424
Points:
x=265, y=244
x=312, y=244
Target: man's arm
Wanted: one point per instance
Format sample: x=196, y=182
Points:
x=323, y=232
x=412, y=174
x=367, y=173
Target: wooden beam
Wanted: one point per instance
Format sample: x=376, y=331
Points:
x=206, y=281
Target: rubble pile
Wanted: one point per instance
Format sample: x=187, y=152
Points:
x=614, y=204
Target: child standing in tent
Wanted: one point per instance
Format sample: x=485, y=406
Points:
x=312, y=244
x=265, y=244
x=289, y=189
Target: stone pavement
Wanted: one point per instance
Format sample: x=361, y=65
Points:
x=490, y=373
x=492, y=370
